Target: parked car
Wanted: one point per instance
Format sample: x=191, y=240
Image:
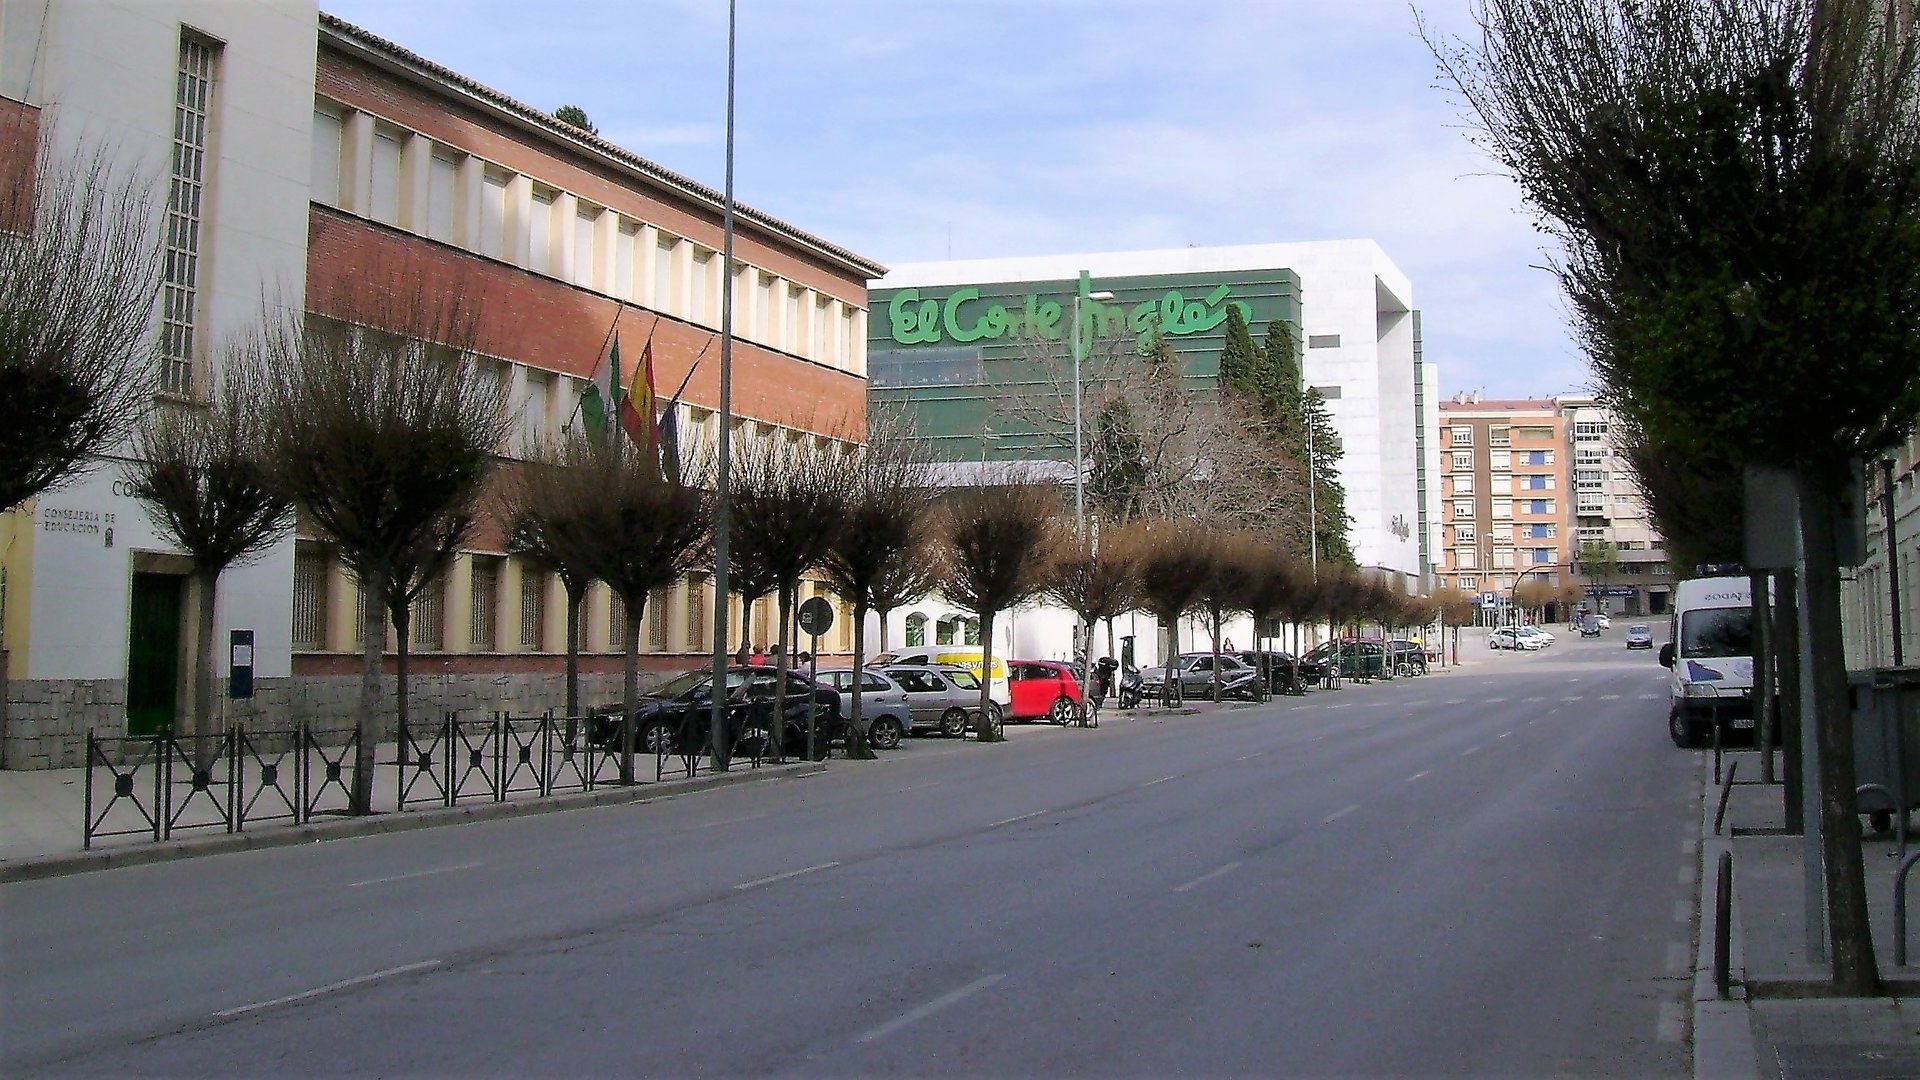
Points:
x=1511, y=637
x=1043, y=689
x=966, y=656
x=1280, y=670
x=1544, y=637
x=1605, y=620
x=1409, y=657
x=1639, y=636
x=1195, y=672
x=673, y=717
x=1588, y=625
x=945, y=699
x=1351, y=658
x=883, y=704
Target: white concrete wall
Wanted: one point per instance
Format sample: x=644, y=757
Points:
x=104, y=73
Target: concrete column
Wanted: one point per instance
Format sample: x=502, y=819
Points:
x=416, y=161
x=519, y=216
x=343, y=612
x=645, y=273
x=506, y=622
x=836, y=330
x=356, y=164
x=857, y=348
x=466, y=213
x=456, y=605
x=682, y=281
x=607, y=239
x=565, y=207
x=555, y=637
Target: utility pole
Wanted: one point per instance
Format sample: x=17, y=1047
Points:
x=1893, y=564
x=723, y=493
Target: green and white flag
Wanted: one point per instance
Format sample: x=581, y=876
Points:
x=601, y=399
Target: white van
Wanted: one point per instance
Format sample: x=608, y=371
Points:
x=999, y=690
x=1710, y=650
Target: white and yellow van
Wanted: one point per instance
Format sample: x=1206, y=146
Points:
x=966, y=656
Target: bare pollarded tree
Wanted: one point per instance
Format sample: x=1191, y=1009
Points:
x=79, y=273
x=204, y=472
x=885, y=524
x=385, y=429
x=997, y=542
x=639, y=529
x=1228, y=587
x=788, y=499
x=548, y=504
x=1095, y=580
x=1175, y=559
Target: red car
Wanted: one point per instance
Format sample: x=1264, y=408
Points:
x=1043, y=689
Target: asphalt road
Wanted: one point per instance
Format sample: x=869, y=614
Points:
x=1485, y=873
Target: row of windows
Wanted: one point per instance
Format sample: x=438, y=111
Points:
x=1502, y=508
x=512, y=607
x=404, y=179
x=1502, y=460
x=1472, y=583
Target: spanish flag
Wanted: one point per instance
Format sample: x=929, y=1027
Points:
x=638, y=416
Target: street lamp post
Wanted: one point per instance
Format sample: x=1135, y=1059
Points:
x=1079, y=347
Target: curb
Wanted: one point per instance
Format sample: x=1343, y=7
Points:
x=51, y=866
x=1723, y=1043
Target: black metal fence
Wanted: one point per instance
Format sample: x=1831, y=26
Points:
x=160, y=786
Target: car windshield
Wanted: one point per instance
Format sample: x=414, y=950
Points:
x=965, y=680
x=1716, y=632
x=681, y=683
x=1639, y=628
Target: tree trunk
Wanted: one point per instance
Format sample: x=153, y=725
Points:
x=576, y=594
x=985, y=730
x=778, y=733
x=206, y=581
x=1173, y=686
x=630, y=690
x=1764, y=726
x=403, y=711
x=1786, y=625
x=857, y=747
x=1854, y=971
x=373, y=633
x=1217, y=618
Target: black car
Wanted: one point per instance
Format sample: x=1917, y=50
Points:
x=674, y=717
x=1279, y=666
x=1409, y=657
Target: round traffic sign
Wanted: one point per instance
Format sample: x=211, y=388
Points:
x=816, y=616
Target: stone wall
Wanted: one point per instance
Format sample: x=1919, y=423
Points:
x=47, y=720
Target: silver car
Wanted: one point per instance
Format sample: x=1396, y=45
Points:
x=883, y=704
x=943, y=698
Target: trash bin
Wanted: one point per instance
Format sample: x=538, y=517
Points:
x=1886, y=738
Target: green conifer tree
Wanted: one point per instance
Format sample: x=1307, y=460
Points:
x=1243, y=366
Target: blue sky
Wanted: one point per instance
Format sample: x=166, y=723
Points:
x=918, y=129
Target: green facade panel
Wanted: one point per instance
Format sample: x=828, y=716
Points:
x=949, y=356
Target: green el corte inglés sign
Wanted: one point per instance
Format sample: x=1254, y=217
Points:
x=963, y=316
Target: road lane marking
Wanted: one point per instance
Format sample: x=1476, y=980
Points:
x=1689, y=846
x=729, y=821
x=1531, y=700
x=1670, y=1027
x=945, y=1000
x=1609, y=697
x=1249, y=757
x=1421, y=775
x=1573, y=699
x=757, y=882
x=1338, y=814
x=1494, y=701
x=1685, y=876
x=1204, y=878
x=1683, y=911
x=327, y=989
x=1162, y=780
x=1342, y=705
x=1504, y=734
x=1649, y=697
x=1679, y=958
x=1457, y=701
x=415, y=874
x=1469, y=751
x=1011, y=820
x=917, y=787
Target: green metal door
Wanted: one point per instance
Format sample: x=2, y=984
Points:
x=153, y=653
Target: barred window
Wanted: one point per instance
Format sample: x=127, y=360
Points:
x=186, y=185
x=697, y=614
x=616, y=622
x=657, y=621
x=311, y=567
x=533, y=610
x=483, y=623
x=916, y=630
x=428, y=616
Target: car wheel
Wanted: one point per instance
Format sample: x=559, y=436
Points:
x=1685, y=735
x=656, y=739
x=885, y=734
x=1062, y=712
x=953, y=723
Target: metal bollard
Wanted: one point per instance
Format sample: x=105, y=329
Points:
x=1722, y=930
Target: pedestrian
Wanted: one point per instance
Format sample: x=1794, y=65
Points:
x=802, y=658
x=758, y=658
x=743, y=655
x=773, y=655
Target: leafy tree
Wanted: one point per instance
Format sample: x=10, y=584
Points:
x=79, y=273
x=1736, y=187
x=575, y=116
x=1599, y=562
x=203, y=471
x=384, y=434
x=997, y=541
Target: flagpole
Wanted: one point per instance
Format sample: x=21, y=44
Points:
x=613, y=407
x=722, y=509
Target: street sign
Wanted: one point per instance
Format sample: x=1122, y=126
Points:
x=816, y=616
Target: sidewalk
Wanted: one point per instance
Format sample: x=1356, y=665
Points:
x=1778, y=1022
x=43, y=813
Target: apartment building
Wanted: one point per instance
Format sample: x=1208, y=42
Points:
x=1504, y=489
x=1883, y=587
x=1611, y=516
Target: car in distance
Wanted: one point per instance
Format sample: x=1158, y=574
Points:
x=673, y=717
x=1195, y=672
x=1043, y=690
x=1588, y=625
x=1510, y=637
x=942, y=698
x=1544, y=637
x=1605, y=620
x=1639, y=636
x=883, y=704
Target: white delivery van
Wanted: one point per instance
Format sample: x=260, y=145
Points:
x=999, y=690
x=1710, y=651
